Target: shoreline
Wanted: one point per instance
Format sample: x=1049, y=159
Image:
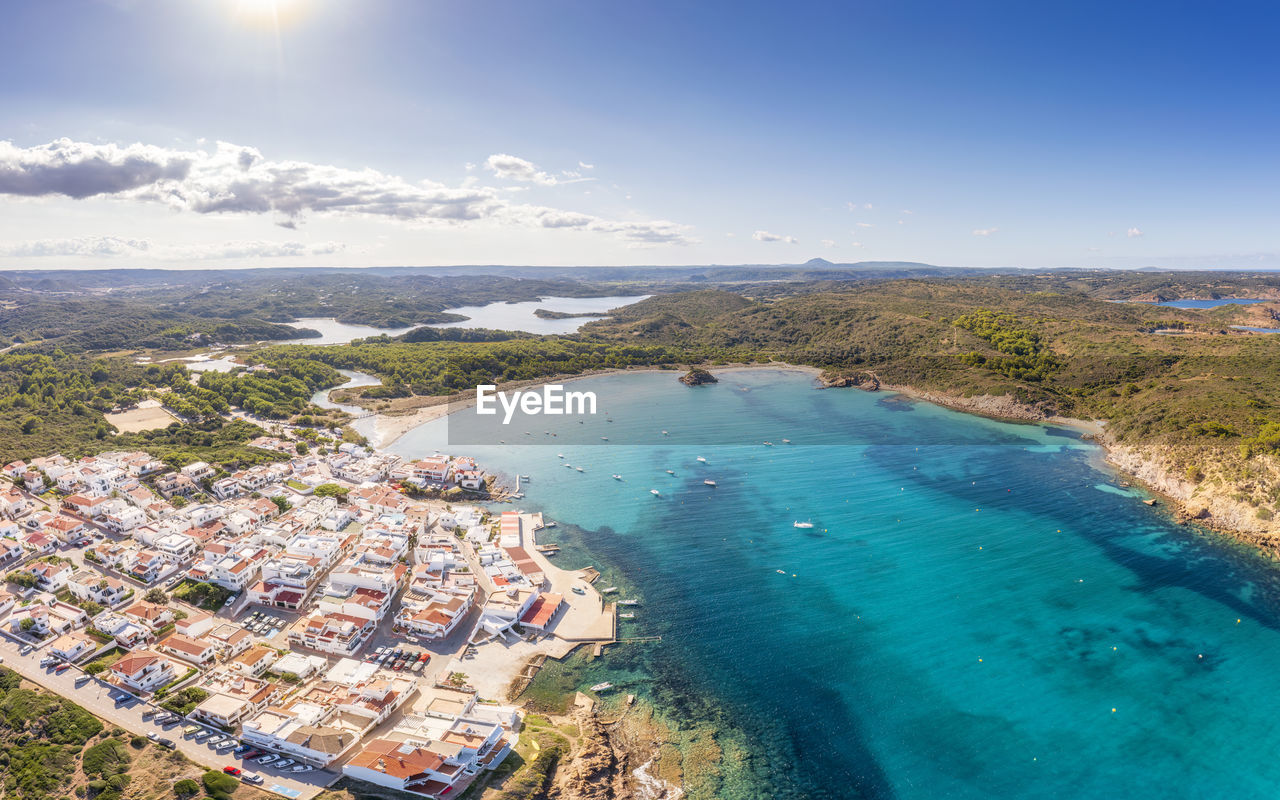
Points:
x=1214, y=510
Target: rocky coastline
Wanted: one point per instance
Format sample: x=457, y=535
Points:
x=1218, y=497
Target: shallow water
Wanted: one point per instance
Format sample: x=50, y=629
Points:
x=978, y=611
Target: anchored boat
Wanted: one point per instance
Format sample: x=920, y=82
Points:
x=799, y=524
x=709, y=483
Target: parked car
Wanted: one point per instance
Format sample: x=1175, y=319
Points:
x=149, y=713
x=153, y=736
x=267, y=759
x=251, y=777
x=242, y=749
x=214, y=740
x=26, y=648
x=288, y=762
x=230, y=601
x=202, y=735
x=252, y=754
x=232, y=771
x=61, y=668
x=302, y=768
x=166, y=743
x=81, y=680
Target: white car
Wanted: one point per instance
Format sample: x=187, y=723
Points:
x=302, y=768
x=267, y=759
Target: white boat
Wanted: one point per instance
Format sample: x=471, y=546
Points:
x=609, y=590
x=604, y=438
x=781, y=571
x=600, y=687
x=671, y=472
x=654, y=492
x=626, y=616
x=664, y=433
x=550, y=524
x=709, y=483
x=768, y=444
x=559, y=455
x=799, y=524
x=628, y=602
x=703, y=460
x=568, y=466
x=579, y=469
x=617, y=477
x=786, y=441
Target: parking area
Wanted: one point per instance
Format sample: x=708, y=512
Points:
x=203, y=744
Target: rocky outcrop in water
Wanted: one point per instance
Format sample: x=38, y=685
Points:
x=697, y=377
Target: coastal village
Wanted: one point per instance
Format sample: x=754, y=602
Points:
x=296, y=621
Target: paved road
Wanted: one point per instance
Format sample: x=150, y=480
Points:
x=94, y=697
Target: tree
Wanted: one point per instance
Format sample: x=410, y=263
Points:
x=24, y=579
x=26, y=624
x=30, y=425
x=156, y=596
x=281, y=503
x=186, y=788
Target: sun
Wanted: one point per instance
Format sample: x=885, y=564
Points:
x=271, y=13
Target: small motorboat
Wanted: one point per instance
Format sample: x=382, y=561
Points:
x=601, y=687
x=568, y=466
x=664, y=433
x=768, y=444
x=671, y=472
x=703, y=460
x=550, y=524
x=579, y=590
x=579, y=469
x=609, y=590
x=559, y=455
x=628, y=602
x=781, y=571
x=786, y=441
x=604, y=438
x=626, y=616
x=654, y=492
x=799, y=524
x=617, y=477
x=709, y=483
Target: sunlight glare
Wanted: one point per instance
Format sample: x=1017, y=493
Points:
x=268, y=13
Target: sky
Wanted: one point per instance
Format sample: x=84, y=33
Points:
x=238, y=133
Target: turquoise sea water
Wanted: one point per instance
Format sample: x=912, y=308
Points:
x=978, y=612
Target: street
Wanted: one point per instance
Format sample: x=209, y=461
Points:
x=94, y=697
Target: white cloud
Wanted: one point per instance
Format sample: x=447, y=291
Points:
x=865, y=225
x=115, y=246
x=981, y=231
x=858, y=206
x=584, y=165
x=906, y=211
x=514, y=168
x=855, y=244
x=828, y=242
x=233, y=179
x=765, y=236
x=1133, y=233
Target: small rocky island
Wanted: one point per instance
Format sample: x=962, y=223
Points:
x=698, y=376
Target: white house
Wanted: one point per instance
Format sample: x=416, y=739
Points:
x=143, y=671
